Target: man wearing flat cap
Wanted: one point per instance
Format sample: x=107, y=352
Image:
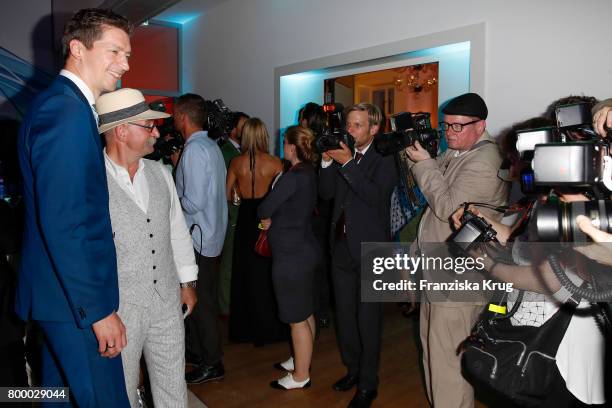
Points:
x=155, y=261
x=465, y=172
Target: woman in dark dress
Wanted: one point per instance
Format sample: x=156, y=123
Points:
x=312, y=117
x=287, y=214
x=253, y=311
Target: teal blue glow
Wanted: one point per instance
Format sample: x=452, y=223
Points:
x=299, y=88
x=178, y=18
x=441, y=50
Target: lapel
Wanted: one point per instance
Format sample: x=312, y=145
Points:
x=367, y=162
x=369, y=159
x=93, y=127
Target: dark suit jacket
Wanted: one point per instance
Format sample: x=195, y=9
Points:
x=228, y=150
x=290, y=204
x=68, y=270
x=363, y=192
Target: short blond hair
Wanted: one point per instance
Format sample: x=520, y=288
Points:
x=375, y=116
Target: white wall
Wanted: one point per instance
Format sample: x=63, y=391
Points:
x=32, y=29
x=535, y=51
x=26, y=29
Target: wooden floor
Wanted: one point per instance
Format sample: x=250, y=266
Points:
x=249, y=371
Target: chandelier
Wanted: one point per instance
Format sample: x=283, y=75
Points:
x=415, y=78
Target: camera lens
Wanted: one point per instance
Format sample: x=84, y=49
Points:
x=556, y=222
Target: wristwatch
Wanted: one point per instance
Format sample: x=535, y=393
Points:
x=191, y=284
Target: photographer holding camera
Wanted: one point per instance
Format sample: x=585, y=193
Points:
x=360, y=183
x=578, y=376
x=467, y=171
x=576, y=348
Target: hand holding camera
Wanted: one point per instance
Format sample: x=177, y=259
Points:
x=500, y=231
x=408, y=130
x=602, y=120
x=341, y=155
x=416, y=153
x=593, y=232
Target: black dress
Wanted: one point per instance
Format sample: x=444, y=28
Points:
x=295, y=251
x=253, y=311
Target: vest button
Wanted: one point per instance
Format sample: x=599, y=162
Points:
x=150, y=235
x=148, y=220
x=153, y=251
x=154, y=266
x=155, y=281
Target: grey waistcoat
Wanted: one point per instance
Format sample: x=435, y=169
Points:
x=145, y=262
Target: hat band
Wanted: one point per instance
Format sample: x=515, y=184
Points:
x=124, y=113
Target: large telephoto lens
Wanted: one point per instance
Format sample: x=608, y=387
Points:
x=556, y=222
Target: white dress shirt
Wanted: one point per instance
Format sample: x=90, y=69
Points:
x=326, y=164
x=236, y=144
x=138, y=191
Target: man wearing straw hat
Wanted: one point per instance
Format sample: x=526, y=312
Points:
x=155, y=260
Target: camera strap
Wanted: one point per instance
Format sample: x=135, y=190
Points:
x=450, y=157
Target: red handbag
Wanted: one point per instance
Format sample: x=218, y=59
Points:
x=262, y=247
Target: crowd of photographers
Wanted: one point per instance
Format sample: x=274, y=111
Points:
x=561, y=163
x=558, y=167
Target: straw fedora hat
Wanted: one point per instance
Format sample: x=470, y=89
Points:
x=121, y=106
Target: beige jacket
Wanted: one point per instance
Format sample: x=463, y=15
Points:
x=452, y=179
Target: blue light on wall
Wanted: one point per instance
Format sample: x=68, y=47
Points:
x=178, y=17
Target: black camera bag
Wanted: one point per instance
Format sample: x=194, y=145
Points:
x=515, y=363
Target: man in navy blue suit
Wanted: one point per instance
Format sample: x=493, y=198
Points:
x=68, y=278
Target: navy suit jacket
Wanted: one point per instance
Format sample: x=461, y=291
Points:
x=68, y=267
x=363, y=192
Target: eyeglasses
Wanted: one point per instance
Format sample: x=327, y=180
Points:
x=457, y=127
x=149, y=128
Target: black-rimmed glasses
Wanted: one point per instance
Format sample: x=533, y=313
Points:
x=149, y=127
x=457, y=127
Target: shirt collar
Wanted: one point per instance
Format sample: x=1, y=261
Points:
x=236, y=145
x=117, y=170
x=365, y=149
x=80, y=84
x=484, y=136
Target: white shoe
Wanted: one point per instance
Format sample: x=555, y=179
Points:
x=286, y=365
x=288, y=383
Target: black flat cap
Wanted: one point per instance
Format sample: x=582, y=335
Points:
x=469, y=104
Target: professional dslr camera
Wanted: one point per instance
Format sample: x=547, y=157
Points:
x=473, y=230
x=219, y=119
x=570, y=156
x=408, y=128
x=334, y=131
x=170, y=141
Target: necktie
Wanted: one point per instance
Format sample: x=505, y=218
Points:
x=341, y=223
x=358, y=157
